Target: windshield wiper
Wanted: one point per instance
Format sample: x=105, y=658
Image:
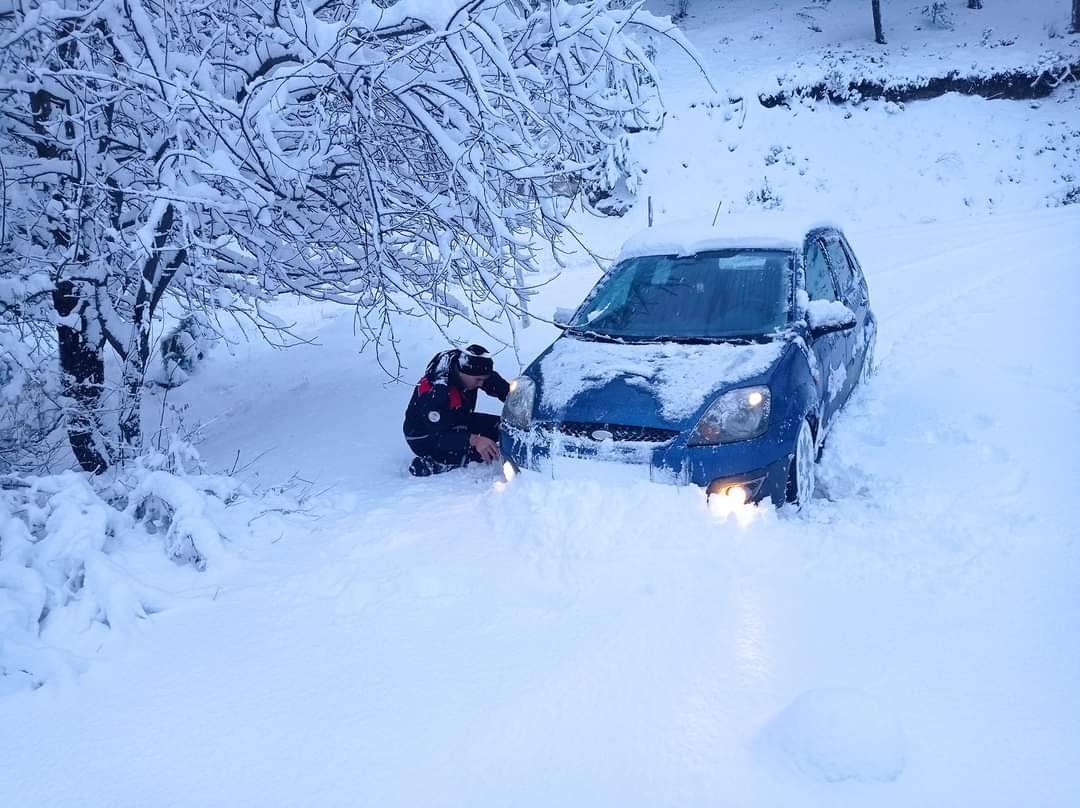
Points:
x=593, y=335
x=749, y=339
x=739, y=340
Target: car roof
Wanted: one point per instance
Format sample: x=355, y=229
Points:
x=772, y=230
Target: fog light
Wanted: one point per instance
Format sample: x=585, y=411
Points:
x=509, y=472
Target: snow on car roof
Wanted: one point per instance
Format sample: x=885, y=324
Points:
x=781, y=231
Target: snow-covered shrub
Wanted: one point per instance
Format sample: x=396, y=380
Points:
x=1069, y=197
x=764, y=197
x=939, y=14
x=182, y=349
x=31, y=405
x=61, y=590
x=29, y=409
x=836, y=84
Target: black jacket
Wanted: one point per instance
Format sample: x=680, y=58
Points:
x=437, y=418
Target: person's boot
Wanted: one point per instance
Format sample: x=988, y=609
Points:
x=420, y=467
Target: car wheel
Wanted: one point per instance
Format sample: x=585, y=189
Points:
x=803, y=474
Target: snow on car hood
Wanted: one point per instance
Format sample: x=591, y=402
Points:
x=680, y=377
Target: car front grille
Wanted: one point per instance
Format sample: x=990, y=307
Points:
x=619, y=432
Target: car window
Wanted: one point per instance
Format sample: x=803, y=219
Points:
x=711, y=295
x=840, y=264
x=819, y=281
x=852, y=260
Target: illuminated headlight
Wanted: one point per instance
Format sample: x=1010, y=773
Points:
x=518, y=409
x=737, y=494
x=737, y=415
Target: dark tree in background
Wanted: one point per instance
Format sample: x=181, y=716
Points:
x=879, y=35
x=1076, y=17
x=974, y=3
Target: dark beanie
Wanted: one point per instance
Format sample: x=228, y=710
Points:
x=475, y=361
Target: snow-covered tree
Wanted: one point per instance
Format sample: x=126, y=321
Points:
x=399, y=158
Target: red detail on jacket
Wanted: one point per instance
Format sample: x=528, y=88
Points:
x=457, y=400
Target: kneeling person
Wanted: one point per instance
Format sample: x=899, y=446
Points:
x=441, y=426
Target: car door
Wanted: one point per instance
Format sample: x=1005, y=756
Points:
x=853, y=293
x=831, y=350
x=866, y=334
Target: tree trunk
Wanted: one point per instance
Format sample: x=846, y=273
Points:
x=879, y=35
x=974, y=3
x=82, y=361
x=156, y=278
x=1076, y=17
x=83, y=365
x=134, y=373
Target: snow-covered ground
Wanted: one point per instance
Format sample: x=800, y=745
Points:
x=907, y=639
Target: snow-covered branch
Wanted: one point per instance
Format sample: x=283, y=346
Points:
x=401, y=159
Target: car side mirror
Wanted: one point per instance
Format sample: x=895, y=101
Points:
x=563, y=317
x=828, y=317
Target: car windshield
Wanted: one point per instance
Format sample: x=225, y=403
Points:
x=713, y=295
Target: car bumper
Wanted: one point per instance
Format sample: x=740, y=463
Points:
x=760, y=467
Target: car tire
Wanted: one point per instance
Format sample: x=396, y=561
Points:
x=802, y=476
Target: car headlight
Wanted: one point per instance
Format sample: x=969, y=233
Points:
x=518, y=409
x=737, y=415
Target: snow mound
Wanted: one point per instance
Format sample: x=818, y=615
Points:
x=837, y=734
x=73, y=555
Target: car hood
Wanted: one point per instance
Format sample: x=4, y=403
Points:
x=653, y=384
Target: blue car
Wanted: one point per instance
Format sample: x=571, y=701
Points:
x=713, y=360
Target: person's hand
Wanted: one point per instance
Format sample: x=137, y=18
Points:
x=485, y=447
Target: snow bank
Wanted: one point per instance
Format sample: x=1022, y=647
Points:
x=853, y=78
x=62, y=589
x=837, y=734
x=679, y=376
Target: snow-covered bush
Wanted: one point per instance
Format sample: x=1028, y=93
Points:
x=182, y=349
x=60, y=589
x=764, y=197
x=1070, y=197
x=939, y=14
x=30, y=410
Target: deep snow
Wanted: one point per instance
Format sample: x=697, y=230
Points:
x=908, y=639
